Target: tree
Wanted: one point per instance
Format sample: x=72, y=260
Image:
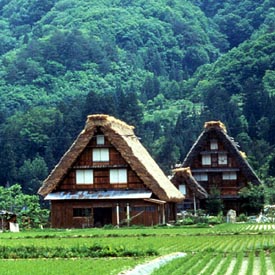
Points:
x=130, y=108
x=26, y=207
x=214, y=204
x=31, y=174
x=269, y=189
x=8, y=164
x=253, y=199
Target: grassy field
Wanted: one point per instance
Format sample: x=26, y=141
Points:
x=223, y=249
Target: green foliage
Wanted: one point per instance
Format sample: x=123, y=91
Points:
x=269, y=190
x=242, y=218
x=26, y=207
x=214, y=204
x=94, y=251
x=253, y=199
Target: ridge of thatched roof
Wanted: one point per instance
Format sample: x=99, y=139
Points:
x=122, y=137
x=215, y=124
x=219, y=129
x=184, y=174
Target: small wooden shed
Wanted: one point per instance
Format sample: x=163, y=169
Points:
x=108, y=177
x=6, y=217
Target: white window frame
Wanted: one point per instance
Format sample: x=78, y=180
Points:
x=206, y=159
x=101, y=154
x=182, y=189
x=100, y=140
x=118, y=176
x=213, y=144
x=84, y=176
x=222, y=159
x=201, y=176
x=229, y=175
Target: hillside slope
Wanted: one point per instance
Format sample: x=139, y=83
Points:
x=163, y=66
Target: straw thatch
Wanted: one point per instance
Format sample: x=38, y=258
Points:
x=122, y=137
x=218, y=129
x=184, y=175
x=215, y=124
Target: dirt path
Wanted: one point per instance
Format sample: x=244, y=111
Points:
x=149, y=267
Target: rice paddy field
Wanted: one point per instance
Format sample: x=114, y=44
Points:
x=224, y=249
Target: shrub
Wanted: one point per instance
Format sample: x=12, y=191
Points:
x=242, y=218
x=215, y=219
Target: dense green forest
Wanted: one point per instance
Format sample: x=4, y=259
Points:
x=164, y=66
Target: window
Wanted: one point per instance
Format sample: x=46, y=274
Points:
x=223, y=158
x=100, y=140
x=101, y=154
x=206, y=159
x=82, y=212
x=201, y=176
x=84, y=176
x=118, y=176
x=213, y=144
x=229, y=175
x=182, y=188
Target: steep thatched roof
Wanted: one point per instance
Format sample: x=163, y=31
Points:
x=122, y=137
x=184, y=175
x=217, y=128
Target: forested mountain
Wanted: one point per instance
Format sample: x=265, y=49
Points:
x=164, y=66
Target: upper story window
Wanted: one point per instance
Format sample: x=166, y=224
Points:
x=182, y=188
x=222, y=158
x=201, y=176
x=206, y=159
x=229, y=175
x=118, y=175
x=85, y=176
x=100, y=154
x=213, y=144
x=100, y=140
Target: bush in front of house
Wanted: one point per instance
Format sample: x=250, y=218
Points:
x=200, y=219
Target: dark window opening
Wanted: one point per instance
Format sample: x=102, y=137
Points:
x=82, y=212
x=102, y=216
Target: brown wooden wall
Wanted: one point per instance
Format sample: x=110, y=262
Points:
x=229, y=189
x=141, y=212
x=101, y=171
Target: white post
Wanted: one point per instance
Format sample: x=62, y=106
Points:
x=117, y=214
x=195, y=206
x=128, y=214
x=163, y=214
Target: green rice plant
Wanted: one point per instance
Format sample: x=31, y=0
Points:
x=134, y=243
x=238, y=264
x=32, y=252
x=272, y=257
x=220, y=245
x=201, y=263
x=211, y=267
x=173, y=242
x=263, y=268
x=108, y=266
x=173, y=265
x=225, y=264
x=179, y=266
x=250, y=264
x=183, y=269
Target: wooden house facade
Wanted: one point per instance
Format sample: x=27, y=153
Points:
x=215, y=163
x=108, y=177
